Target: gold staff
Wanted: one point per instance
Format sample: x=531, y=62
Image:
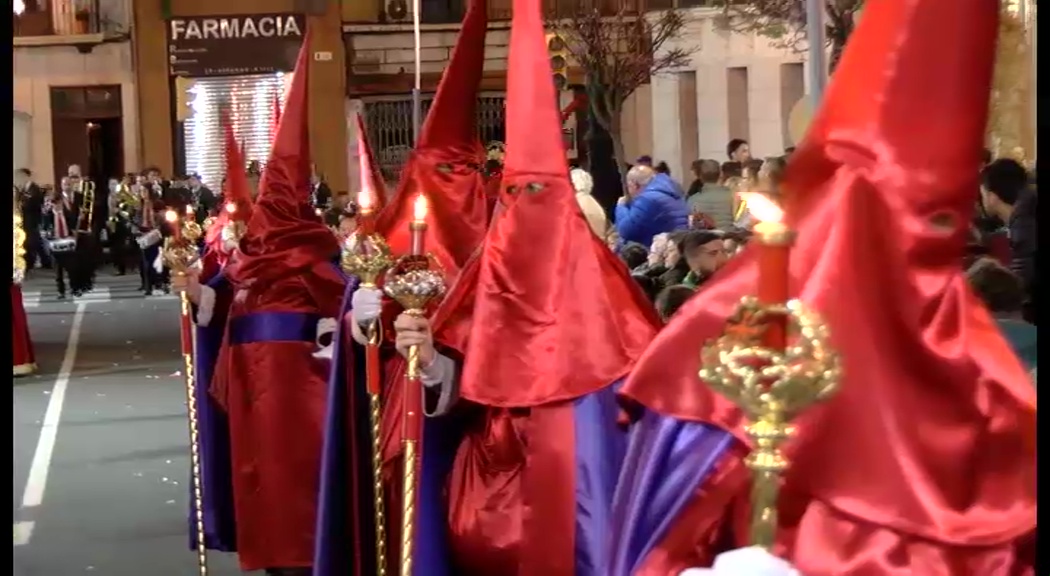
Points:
x=366, y=255
x=414, y=284
x=180, y=253
x=774, y=362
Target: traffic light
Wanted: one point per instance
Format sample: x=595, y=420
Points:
x=183, y=98
x=559, y=57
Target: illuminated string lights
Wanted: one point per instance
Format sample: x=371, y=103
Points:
x=250, y=103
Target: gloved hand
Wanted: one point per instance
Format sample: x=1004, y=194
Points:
x=367, y=304
x=752, y=561
x=325, y=342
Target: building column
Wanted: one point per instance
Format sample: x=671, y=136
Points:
x=667, y=134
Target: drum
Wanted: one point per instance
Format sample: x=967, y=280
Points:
x=148, y=239
x=62, y=245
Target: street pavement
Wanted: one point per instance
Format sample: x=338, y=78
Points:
x=101, y=457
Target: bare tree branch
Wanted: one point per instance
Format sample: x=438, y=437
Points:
x=621, y=52
x=783, y=22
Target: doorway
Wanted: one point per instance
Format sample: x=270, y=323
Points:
x=87, y=129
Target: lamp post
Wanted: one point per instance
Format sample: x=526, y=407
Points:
x=818, y=66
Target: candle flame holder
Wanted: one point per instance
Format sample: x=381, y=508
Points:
x=772, y=387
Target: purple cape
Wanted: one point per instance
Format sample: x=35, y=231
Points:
x=220, y=530
x=667, y=461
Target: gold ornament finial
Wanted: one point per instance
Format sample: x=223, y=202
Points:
x=772, y=388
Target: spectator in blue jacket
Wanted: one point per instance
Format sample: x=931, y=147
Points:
x=653, y=205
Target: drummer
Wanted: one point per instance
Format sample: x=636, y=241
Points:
x=59, y=220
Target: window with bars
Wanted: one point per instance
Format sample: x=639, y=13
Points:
x=389, y=123
x=253, y=103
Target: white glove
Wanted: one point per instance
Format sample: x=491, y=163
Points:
x=367, y=304
x=753, y=561
x=325, y=327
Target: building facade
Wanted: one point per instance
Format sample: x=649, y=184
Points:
x=202, y=58
x=736, y=86
x=74, y=88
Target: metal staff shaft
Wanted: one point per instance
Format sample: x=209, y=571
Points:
x=411, y=437
x=186, y=324
x=375, y=419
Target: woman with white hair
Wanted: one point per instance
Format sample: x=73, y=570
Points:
x=583, y=183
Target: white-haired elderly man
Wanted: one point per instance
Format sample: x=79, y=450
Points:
x=583, y=183
x=654, y=204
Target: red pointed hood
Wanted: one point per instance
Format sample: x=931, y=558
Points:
x=236, y=189
x=546, y=287
x=367, y=169
x=450, y=122
x=881, y=195
x=284, y=234
x=445, y=164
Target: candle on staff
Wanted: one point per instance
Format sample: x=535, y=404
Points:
x=366, y=206
x=418, y=225
x=172, y=217
x=231, y=208
x=774, y=240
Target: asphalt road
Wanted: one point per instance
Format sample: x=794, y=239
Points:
x=101, y=457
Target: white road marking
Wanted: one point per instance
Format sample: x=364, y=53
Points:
x=45, y=446
x=23, y=532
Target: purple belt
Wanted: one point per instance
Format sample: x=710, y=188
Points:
x=273, y=327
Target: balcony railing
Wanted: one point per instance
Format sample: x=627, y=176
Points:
x=70, y=18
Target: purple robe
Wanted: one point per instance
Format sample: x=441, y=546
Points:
x=220, y=530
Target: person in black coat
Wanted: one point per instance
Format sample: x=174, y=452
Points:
x=320, y=193
x=205, y=203
x=1006, y=195
x=31, y=197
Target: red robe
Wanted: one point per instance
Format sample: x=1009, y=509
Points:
x=274, y=392
x=24, y=360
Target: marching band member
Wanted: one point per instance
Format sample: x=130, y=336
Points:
x=60, y=218
x=150, y=221
x=203, y=201
x=122, y=201
x=31, y=200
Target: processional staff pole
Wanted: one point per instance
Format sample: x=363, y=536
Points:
x=818, y=66
x=180, y=254
x=417, y=104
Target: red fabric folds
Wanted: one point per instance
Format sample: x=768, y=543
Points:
x=284, y=235
x=459, y=213
x=445, y=165
x=940, y=408
x=237, y=190
x=555, y=314
x=22, y=349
